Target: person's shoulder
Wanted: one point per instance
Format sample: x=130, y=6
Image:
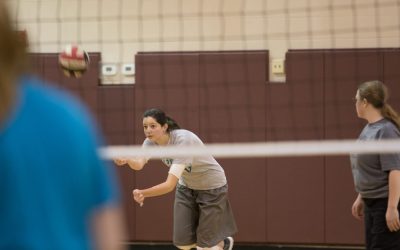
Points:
x=38, y=88
x=183, y=132
x=387, y=124
x=388, y=128
x=185, y=135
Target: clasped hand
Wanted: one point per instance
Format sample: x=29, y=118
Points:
x=120, y=161
x=138, y=196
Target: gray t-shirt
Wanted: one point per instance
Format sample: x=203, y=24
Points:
x=371, y=171
x=201, y=173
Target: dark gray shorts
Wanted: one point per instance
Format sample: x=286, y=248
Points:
x=203, y=217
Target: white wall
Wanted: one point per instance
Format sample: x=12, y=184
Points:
x=120, y=28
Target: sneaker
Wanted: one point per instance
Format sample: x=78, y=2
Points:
x=228, y=243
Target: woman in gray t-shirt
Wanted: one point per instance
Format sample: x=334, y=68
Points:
x=377, y=176
x=202, y=213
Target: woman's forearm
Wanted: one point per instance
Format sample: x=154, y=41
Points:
x=157, y=190
x=394, y=188
x=161, y=188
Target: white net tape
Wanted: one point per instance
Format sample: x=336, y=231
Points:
x=266, y=149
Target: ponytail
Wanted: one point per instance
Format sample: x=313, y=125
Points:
x=389, y=113
x=172, y=125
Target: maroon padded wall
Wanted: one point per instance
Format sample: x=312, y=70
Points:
x=116, y=112
x=391, y=75
x=226, y=97
x=295, y=185
x=232, y=101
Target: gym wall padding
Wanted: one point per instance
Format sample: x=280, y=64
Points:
x=225, y=96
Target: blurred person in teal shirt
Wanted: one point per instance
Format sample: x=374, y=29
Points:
x=55, y=190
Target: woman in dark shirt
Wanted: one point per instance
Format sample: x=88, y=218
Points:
x=377, y=176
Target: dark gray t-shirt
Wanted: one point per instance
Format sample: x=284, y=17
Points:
x=201, y=173
x=371, y=171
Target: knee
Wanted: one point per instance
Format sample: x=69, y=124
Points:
x=188, y=247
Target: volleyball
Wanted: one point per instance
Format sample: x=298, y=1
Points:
x=74, y=61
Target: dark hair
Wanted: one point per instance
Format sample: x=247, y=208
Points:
x=161, y=118
x=13, y=59
x=376, y=93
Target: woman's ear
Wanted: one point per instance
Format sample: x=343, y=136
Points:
x=165, y=127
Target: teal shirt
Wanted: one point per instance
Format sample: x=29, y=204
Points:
x=51, y=177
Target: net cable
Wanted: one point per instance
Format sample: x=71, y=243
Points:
x=261, y=149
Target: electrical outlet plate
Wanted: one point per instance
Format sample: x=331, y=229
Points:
x=109, y=70
x=278, y=66
x=128, y=69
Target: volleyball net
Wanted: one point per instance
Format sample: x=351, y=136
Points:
x=266, y=149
